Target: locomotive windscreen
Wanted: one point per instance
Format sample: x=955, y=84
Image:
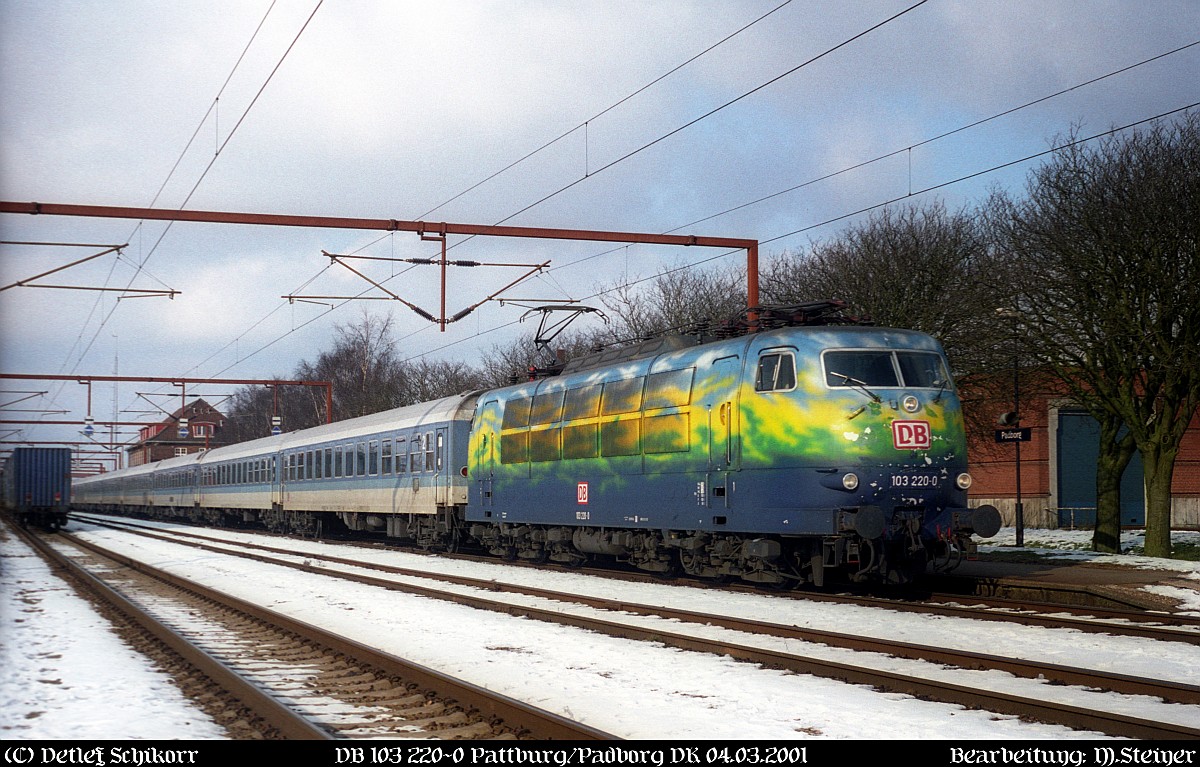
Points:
x=877, y=367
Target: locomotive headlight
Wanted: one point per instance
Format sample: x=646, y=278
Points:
x=910, y=403
x=963, y=481
x=850, y=481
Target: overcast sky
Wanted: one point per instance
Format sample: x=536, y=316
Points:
x=393, y=109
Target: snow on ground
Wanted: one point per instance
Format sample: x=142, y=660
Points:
x=60, y=666
x=1074, y=544
x=64, y=673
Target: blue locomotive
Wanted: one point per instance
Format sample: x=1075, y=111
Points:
x=37, y=485
x=775, y=457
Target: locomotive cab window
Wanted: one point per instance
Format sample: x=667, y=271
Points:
x=923, y=370
x=862, y=367
x=776, y=372
x=886, y=368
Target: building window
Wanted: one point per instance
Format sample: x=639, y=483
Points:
x=181, y=451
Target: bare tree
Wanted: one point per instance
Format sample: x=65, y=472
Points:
x=1105, y=248
x=918, y=267
x=362, y=366
x=678, y=299
x=423, y=380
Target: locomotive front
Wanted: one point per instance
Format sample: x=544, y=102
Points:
x=868, y=427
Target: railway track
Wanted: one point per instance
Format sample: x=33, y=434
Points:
x=758, y=641
x=294, y=680
x=1118, y=622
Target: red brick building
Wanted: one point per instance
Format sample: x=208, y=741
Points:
x=1058, y=468
x=162, y=440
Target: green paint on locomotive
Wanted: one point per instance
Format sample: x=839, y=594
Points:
x=679, y=424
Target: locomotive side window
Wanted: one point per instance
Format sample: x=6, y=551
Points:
x=516, y=414
x=544, y=444
x=667, y=433
x=547, y=408
x=582, y=403
x=671, y=388
x=621, y=437
x=623, y=396
x=776, y=372
x=514, y=447
x=514, y=439
x=863, y=367
x=579, y=440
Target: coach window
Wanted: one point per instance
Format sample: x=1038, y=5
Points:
x=337, y=461
x=373, y=458
x=428, y=451
x=401, y=455
x=776, y=372
x=328, y=462
x=385, y=455
x=441, y=450
x=414, y=454
x=361, y=459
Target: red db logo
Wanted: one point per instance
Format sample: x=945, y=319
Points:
x=911, y=435
x=581, y=492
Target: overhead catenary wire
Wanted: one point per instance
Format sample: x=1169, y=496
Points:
x=204, y=173
x=714, y=111
x=902, y=150
x=751, y=203
x=967, y=126
x=844, y=216
x=584, y=125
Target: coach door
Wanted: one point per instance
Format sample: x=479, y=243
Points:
x=720, y=403
x=441, y=476
x=276, y=475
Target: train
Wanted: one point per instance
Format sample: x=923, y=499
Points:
x=786, y=456
x=36, y=484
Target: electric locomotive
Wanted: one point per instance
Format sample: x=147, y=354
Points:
x=776, y=457
x=771, y=457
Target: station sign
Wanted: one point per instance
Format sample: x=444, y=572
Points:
x=1013, y=435
x=183, y=428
